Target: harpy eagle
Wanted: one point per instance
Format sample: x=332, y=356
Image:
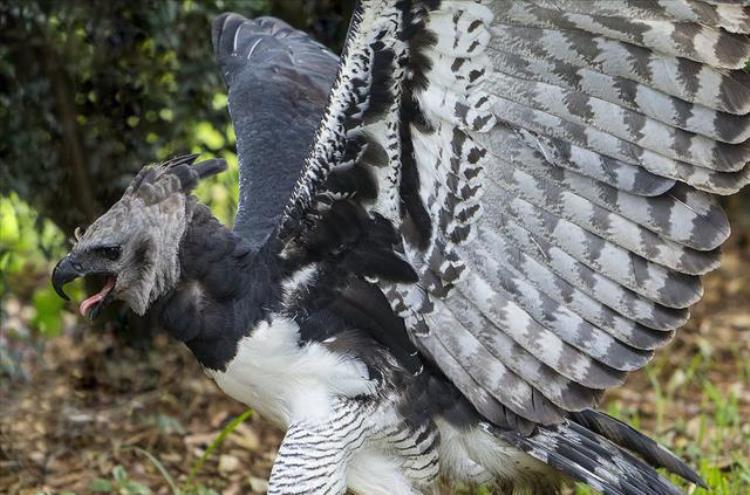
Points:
x=451, y=241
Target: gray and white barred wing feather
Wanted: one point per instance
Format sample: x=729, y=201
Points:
x=548, y=169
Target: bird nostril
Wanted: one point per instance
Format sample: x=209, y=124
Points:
x=77, y=267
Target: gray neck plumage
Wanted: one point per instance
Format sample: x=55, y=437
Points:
x=225, y=288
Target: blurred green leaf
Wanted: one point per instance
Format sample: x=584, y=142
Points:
x=135, y=488
x=201, y=490
x=119, y=473
x=208, y=135
x=9, y=230
x=160, y=467
x=223, y=434
x=88, y=103
x=100, y=485
x=47, y=311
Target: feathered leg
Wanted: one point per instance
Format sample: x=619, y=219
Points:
x=314, y=455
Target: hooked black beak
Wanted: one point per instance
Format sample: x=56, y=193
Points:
x=65, y=271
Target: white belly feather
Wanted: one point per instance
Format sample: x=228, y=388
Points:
x=282, y=381
x=292, y=384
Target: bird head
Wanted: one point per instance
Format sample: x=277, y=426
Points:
x=134, y=246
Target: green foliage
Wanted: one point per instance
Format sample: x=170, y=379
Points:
x=48, y=311
x=91, y=91
x=223, y=434
x=221, y=192
x=190, y=487
x=120, y=484
x=26, y=240
x=84, y=103
x=162, y=470
x=28, y=243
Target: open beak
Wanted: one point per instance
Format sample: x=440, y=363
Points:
x=65, y=271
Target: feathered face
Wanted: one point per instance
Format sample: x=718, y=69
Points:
x=134, y=246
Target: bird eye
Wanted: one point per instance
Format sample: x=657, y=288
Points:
x=112, y=253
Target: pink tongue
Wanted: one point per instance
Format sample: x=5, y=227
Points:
x=97, y=298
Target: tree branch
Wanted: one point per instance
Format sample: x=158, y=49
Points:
x=73, y=153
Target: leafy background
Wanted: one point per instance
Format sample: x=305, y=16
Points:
x=89, y=92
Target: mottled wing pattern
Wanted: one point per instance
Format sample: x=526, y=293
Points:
x=546, y=168
x=616, y=122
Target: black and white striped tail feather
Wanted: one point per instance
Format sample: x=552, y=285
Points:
x=631, y=439
x=614, y=459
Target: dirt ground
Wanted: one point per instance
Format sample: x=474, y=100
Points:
x=88, y=400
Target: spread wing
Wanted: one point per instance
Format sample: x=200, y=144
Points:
x=278, y=80
x=531, y=183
